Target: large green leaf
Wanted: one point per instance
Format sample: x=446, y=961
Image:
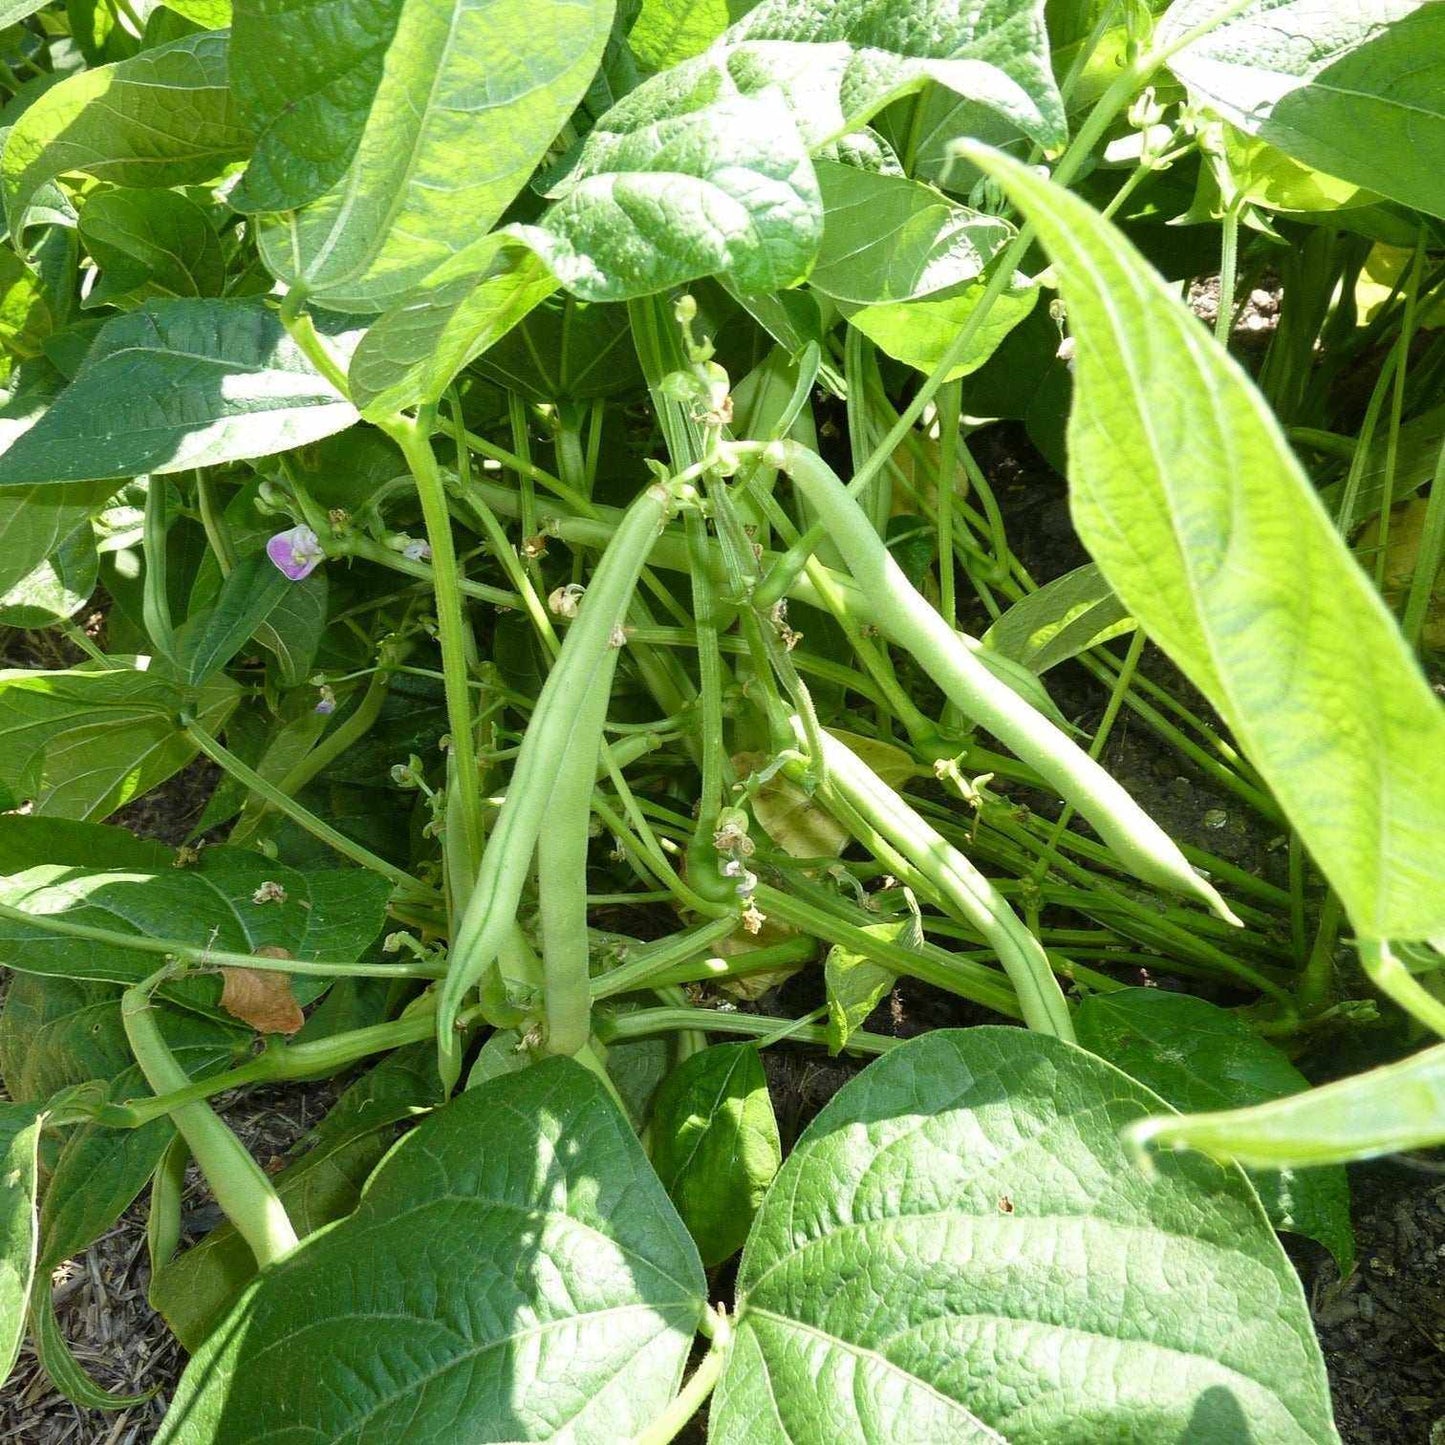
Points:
x=177, y=385
x=162, y=118
x=412, y=353
x=1197, y=1056
x=1202, y=520
x=406, y=128
x=862, y=54
x=20, y=1126
x=150, y=243
x=332, y=914
x=921, y=333
x=58, y=1032
x=888, y=239
x=58, y=587
x=960, y=1248
x=695, y=187
x=80, y=743
x=715, y=1144
x=1355, y=90
x=534, y=1279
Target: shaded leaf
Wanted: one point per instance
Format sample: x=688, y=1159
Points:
x=1063, y=618
x=80, y=743
x=150, y=243
x=176, y=385
x=1197, y=1056
x=715, y=1144
x=210, y=638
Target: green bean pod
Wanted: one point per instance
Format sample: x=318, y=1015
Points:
x=902, y=613
x=975, y=899
x=561, y=871
x=556, y=729
x=242, y=1190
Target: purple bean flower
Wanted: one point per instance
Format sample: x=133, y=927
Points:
x=417, y=551
x=297, y=552
x=327, y=705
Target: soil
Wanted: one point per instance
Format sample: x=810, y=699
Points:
x=1382, y=1328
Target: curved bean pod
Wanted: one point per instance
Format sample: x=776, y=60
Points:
x=902, y=613
x=961, y=884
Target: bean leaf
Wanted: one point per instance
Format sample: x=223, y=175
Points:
x=716, y=1144
x=412, y=353
x=1063, y=618
x=960, y=1248
x=1357, y=91
x=369, y=129
x=542, y=1286
x=20, y=1126
x=148, y=244
x=1203, y=522
x=889, y=239
x=176, y=385
x=163, y=118
x=232, y=899
x=80, y=743
x=1197, y=1056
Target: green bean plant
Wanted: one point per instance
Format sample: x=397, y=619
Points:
x=552, y=502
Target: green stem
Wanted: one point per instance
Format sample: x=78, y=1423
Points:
x=1317, y=981
x=648, y=1022
x=218, y=534
x=929, y=964
x=1228, y=276
x=241, y=1188
x=303, y=817
x=414, y=439
x=693, y=1395
x=949, y=402
x=1428, y=558
x=349, y=732
x=1096, y=746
